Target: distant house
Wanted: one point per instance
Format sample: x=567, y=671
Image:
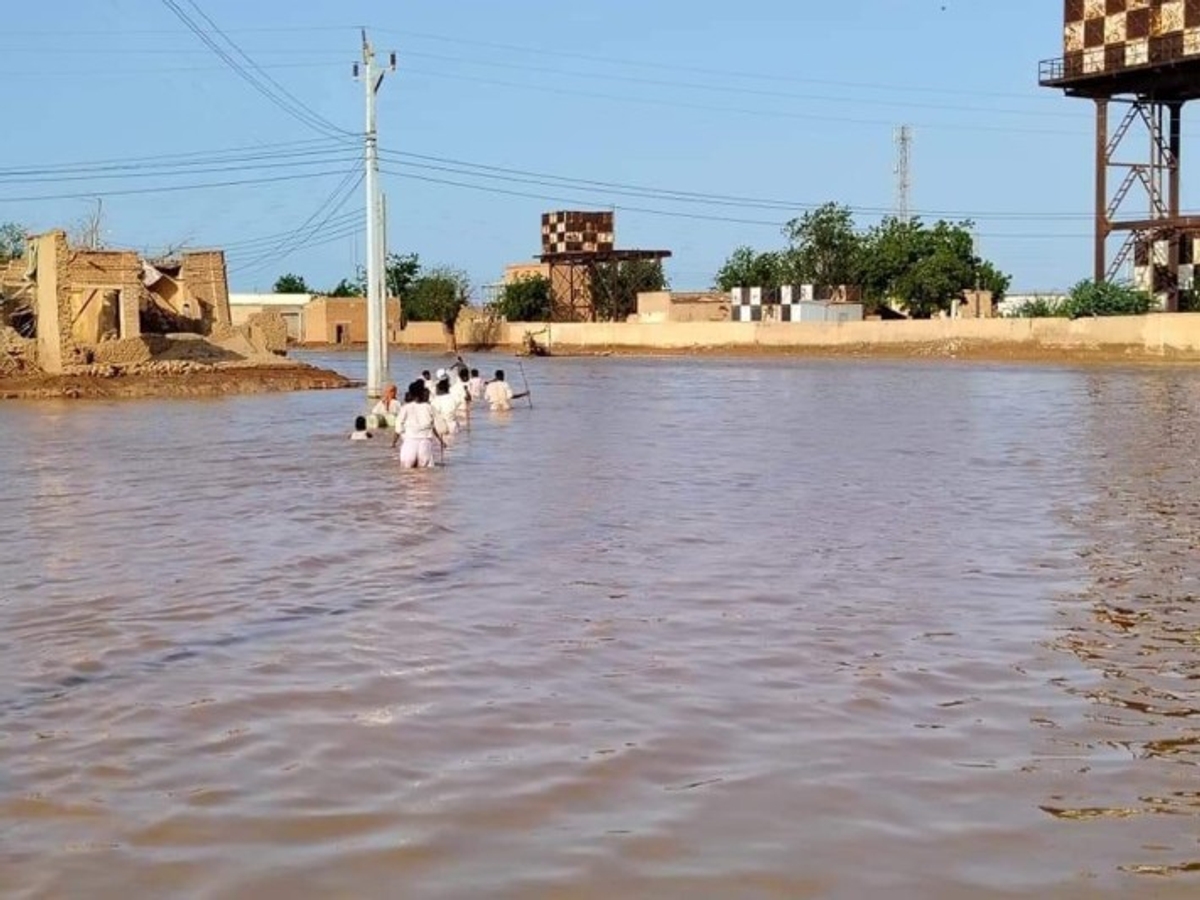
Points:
x=343, y=320
x=289, y=306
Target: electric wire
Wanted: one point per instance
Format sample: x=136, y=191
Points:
x=272, y=162
x=544, y=51
x=726, y=88
x=254, y=244
x=293, y=107
x=184, y=158
x=526, y=176
x=770, y=223
x=172, y=188
x=334, y=128
x=328, y=208
x=733, y=110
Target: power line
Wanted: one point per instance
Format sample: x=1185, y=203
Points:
x=727, y=88
x=336, y=129
x=544, y=51
x=323, y=239
x=770, y=114
x=205, y=156
x=171, y=188
x=254, y=244
x=329, y=207
x=247, y=164
x=525, y=176
x=279, y=97
x=776, y=223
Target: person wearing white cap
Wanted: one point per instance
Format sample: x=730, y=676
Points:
x=445, y=407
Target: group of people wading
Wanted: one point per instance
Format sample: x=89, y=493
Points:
x=434, y=409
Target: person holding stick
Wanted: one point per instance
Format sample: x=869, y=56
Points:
x=499, y=395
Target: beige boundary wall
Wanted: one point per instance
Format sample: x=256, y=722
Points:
x=1177, y=333
x=1156, y=335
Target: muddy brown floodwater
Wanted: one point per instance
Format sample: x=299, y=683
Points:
x=687, y=628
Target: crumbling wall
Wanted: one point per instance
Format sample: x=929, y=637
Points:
x=88, y=271
x=129, y=351
x=52, y=301
x=268, y=330
x=205, y=279
x=12, y=274
x=17, y=354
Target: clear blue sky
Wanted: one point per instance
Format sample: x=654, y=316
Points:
x=787, y=102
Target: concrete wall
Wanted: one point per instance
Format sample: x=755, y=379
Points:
x=1155, y=334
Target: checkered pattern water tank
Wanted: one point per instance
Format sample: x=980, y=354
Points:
x=578, y=232
x=1105, y=36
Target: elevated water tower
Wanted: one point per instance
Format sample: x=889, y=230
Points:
x=1142, y=56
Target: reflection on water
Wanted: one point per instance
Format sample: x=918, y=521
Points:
x=686, y=628
x=1136, y=625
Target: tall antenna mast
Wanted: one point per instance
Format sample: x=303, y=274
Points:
x=904, y=173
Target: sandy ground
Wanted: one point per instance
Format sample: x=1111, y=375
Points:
x=208, y=383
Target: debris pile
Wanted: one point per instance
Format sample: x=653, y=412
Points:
x=18, y=355
x=268, y=330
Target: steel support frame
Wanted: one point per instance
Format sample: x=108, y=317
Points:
x=571, y=291
x=1159, y=178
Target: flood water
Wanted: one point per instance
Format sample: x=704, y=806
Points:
x=685, y=628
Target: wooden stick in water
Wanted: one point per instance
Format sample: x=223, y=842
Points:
x=525, y=380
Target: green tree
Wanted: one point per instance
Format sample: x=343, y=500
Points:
x=526, y=300
x=1102, y=298
x=748, y=268
x=1040, y=308
x=992, y=279
x=401, y=270
x=437, y=296
x=615, y=286
x=291, y=284
x=823, y=247
x=12, y=241
x=346, y=288
x=924, y=267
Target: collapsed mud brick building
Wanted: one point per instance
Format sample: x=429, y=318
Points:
x=81, y=304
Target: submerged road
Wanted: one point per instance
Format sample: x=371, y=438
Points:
x=687, y=628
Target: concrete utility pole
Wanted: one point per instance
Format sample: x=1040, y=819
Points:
x=372, y=77
x=383, y=282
